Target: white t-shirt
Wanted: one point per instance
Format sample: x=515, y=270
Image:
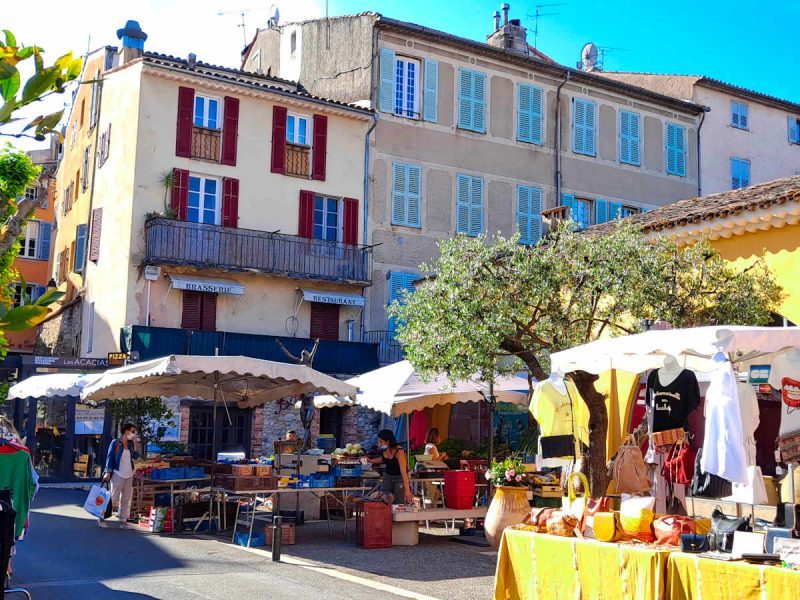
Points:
x=429, y=448
x=785, y=377
x=125, y=469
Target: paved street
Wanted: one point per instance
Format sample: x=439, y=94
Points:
x=66, y=555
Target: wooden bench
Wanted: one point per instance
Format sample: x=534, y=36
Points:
x=405, y=525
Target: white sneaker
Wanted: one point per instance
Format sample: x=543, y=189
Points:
x=102, y=524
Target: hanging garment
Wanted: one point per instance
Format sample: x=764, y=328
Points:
x=418, y=429
x=671, y=404
x=784, y=376
x=15, y=473
x=724, y=451
x=769, y=413
x=7, y=521
x=400, y=429
x=439, y=417
x=552, y=409
x=753, y=491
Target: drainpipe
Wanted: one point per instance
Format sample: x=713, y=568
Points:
x=558, y=139
x=699, y=172
x=366, y=176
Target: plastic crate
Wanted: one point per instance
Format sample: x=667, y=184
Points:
x=257, y=539
x=322, y=481
x=288, y=534
x=373, y=525
x=459, y=489
x=342, y=471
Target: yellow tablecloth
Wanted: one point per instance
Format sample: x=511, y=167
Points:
x=533, y=566
x=690, y=577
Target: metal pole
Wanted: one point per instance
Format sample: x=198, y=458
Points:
x=277, y=523
x=490, y=401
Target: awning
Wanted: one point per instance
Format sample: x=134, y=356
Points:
x=333, y=298
x=205, y=284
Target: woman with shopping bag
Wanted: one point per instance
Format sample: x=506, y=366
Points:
x=119, y=470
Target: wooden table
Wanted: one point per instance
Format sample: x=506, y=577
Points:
x=407, y=523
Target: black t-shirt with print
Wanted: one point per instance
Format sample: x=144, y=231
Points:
x=672, y=402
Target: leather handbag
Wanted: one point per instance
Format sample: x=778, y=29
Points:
x=668, y=437
x=694, y=542
x=706, y=485
x=538, y=518
x=628, y=472
x=789, y=446
x=723, y=528
x=607, y=527
x=679, y=463
x=561, y=523
x=668, y=530
x=556, y=446
x=590, y=510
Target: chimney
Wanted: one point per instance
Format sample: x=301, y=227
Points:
x=133, y=39
x=511, y=37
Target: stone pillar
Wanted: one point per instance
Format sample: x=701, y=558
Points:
x=184, y=434
x=257, y=432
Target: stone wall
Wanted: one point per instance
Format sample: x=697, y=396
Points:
x=61, y=336
x=278, y=418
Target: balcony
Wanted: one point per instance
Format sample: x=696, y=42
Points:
x=206, y=143
x=171, y=242
x=331, y=357
x=297, y=160
x=389, y=349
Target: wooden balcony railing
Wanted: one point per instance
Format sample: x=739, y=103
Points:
x=206, y=143
x=297, y=160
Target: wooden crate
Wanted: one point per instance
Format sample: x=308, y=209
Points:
x=262, y=470
x=242, y=470
x=288, y=536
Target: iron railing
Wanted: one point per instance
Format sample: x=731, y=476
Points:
x=297, y=160
x=171, y=242
x=206, y=143
x=389, y=349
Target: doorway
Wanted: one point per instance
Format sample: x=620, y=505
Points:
x=233, y=436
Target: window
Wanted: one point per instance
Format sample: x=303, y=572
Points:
x=31, y=193
x=400, y=284
x=739, y=115
x=628, y=211
x=105, y=146
x=529, y=115
x=529, y=214
x=676, y=149
x=206, y=112
x=83, y=111
x=326, y=218
x=629, y=141
x=293, y=42
x=75, y=186
x=21, y=296
x=471, y=100
x=95, y=97
x=406, y=196
x=255, y=62
x=583, y=132
x=86, y=157
x=406, y=87
x=580, y=210
x=203, y=202
x=469, y=205
x=79, y=260
x=740, y=173
x=794, y=130
x=30, y=235
x=297, y=130
x=199, y=310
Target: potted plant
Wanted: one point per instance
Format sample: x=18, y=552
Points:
x=510, y=502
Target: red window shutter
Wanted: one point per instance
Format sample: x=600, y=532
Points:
x=94, y=237
x=324, y=321
x=320, y=148
x=278, y=139
x=180, y=193
x=306, y=227
x=230, y=130
x=350, y=221
x=230, y=202
x=208, y=312
x=183, y=135
x=192, y=302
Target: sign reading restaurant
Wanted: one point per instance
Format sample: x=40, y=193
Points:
x=332, y=298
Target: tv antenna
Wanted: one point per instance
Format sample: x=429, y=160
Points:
x=603, y=50
x=241, y=12
x=540, y=13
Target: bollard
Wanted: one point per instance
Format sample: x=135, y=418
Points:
x=277, y=529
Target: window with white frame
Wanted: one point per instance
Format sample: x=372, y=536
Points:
x=204, y=204
x=31, y=193
x=297, y=130
x=206, y=112
x=17, y=293
x=739, y=115
x=406, y=87
x=30, y=234
x=740, y=173
x=327, y=221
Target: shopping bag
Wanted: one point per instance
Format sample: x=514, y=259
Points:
x=98, y=500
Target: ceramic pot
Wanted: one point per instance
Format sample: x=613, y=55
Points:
x=509, y=507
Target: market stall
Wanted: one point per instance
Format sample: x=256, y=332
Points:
x=702, y=390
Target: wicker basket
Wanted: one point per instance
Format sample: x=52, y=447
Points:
x=668, y=437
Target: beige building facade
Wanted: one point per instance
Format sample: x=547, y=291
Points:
x=481, y=138
x=747, y=137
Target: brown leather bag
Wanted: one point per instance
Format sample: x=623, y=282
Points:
x=590, y=509
x=538, y=518
x=669, y=529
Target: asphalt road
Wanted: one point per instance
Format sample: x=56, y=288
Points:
x=66, y=555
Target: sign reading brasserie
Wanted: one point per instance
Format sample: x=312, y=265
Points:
x=198, y=284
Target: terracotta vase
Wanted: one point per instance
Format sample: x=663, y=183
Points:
x=509, y=507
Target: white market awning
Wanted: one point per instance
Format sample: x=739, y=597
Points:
x=52, y=385
x=332, y=298
x=206, y=284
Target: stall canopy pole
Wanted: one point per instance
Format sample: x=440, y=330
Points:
x=490, y=401
x=408, y=440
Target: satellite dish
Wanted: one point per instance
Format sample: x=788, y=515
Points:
x=589, y=55
x=274, y=15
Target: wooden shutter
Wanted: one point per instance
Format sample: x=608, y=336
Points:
x=476, y=206
x=676, y=150
x=230, y=202
x=319, y=148
x=192, y=304
x=583, y=141
x=208, y=311
x=386, y=81
x=230, y=130
x=180, y=193
x=399, y=194
x=529, y=113
x=80, y=248
x=324, y=321
x=529, y=214
x=465, y=107
x=278, y=139
x=614, y=210
x=183, y=133
x=350, y=221
x=600, y=211
x=43, y=241
x=478, y=102
x=462, y=204
x=306, y=227
x=96, y=232
x=430, y=98
x=629, y=143
x=568, y=200
x=414, y=196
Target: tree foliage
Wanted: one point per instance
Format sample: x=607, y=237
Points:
x=486, y=300
x=150, y=416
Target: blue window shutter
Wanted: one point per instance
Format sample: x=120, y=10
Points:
x=680, y=139
x=465, y=108
x=414, y=196
x=568, y=200
x=430, y=99
x=614, y=210
x=524, y=126
x=80, y=248
x=629, y=143
x=476, y=206
x=635, y=139
x=462, y=204
x=399, y=191
x=590, y=129
x=578, y=117
x=43, y=243
x=386, y=80
x=676, y=150
x=479, y=101
x=38, y=292
x=536, y=114
x=529, y=214
x=399, y=285
x=794, y=129
x=600, y=211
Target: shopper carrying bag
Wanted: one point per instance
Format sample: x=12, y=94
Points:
x=98, y=501
x=119, y=471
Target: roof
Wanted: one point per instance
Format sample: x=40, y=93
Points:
x=717, y=84
x=712, y=207
x=238, y=76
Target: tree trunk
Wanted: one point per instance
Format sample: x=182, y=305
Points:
x=598, y=431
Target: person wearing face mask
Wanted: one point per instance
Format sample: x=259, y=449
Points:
x=395, y=478
x=119, y=470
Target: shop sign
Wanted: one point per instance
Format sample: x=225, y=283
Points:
x=202, y=284
x=88, y=420
x=331, y=298
x=58, y=362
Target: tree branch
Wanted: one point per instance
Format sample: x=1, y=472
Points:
x=13, y=227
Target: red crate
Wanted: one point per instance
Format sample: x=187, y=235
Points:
x=459, y=489
x=373, y=525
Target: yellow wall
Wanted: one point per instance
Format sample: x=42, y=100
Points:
x=780, y=249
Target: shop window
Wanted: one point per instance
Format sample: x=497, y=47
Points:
x=324, y=321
